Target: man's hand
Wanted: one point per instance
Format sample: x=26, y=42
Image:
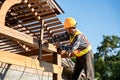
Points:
x=57, y=44
x=63, y=52
x=59, y=49
x=67, y=54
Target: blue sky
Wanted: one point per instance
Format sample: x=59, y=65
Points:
x=95, y=18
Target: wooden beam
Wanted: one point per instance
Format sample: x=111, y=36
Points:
x=49, y=16
x=50, y=56
x=29, y=53
x=44, y=13
x=54, y=24
x=37, y=4
x=25, y=39
x=41, y=40
x=52, y=20
x=56, y=7
x=18, y=36
x=57, y=60
x=44, y=56
x=20, y=60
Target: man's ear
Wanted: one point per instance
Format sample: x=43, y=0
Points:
x=74, y=29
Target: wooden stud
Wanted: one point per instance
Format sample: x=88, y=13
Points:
x=57, y=60
x=41, y=40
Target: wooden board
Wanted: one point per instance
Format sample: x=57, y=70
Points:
x=20, y=60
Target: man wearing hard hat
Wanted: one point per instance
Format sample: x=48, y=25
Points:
x=79, y=47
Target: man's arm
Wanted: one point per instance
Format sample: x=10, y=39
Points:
x=62, y=37
x=61, y=48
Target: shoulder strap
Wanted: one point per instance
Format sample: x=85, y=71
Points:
x=76, y=33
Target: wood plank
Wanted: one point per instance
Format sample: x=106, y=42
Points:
x=46, y=37
x=10, y=46
x=7, y=43
x=25, y=39
x=44, y=13
x=46, y=55
x=52, y=20
x=54, y=24
x=56, y=27
x=13, y=50
x=34, y=53
x=24, y=14
x=49, y=16
x=37, y=4
x=18, y=5
x=31, y=1
x=56, y=7
x=19, y=36
x=20, y=10
x=53, y=31
x=32, y=25
x=42, y=9
x=22, y=28
x=20, y=60
x=58, y=30
x=57, y=60
x=27, y=18
x=4, y=40
x=29, y=21
x=35, y=28
x=59, y=33
x=29, y=53
x=16, y=51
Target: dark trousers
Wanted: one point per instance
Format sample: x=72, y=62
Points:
x=85, y=62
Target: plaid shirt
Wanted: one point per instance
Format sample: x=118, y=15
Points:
x=79, y=42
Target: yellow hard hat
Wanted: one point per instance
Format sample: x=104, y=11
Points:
x=69, y=22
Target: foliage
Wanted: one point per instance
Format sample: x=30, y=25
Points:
x=107, y=59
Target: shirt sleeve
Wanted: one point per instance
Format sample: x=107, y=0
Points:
x=78, y=43
x=62, y=37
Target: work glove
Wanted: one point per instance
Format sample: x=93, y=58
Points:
x=61, y=50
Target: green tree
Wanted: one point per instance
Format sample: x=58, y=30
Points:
x=107, y=59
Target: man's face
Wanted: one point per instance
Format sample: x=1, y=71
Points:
x=70, y=30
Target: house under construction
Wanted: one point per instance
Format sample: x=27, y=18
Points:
x=25, y=26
